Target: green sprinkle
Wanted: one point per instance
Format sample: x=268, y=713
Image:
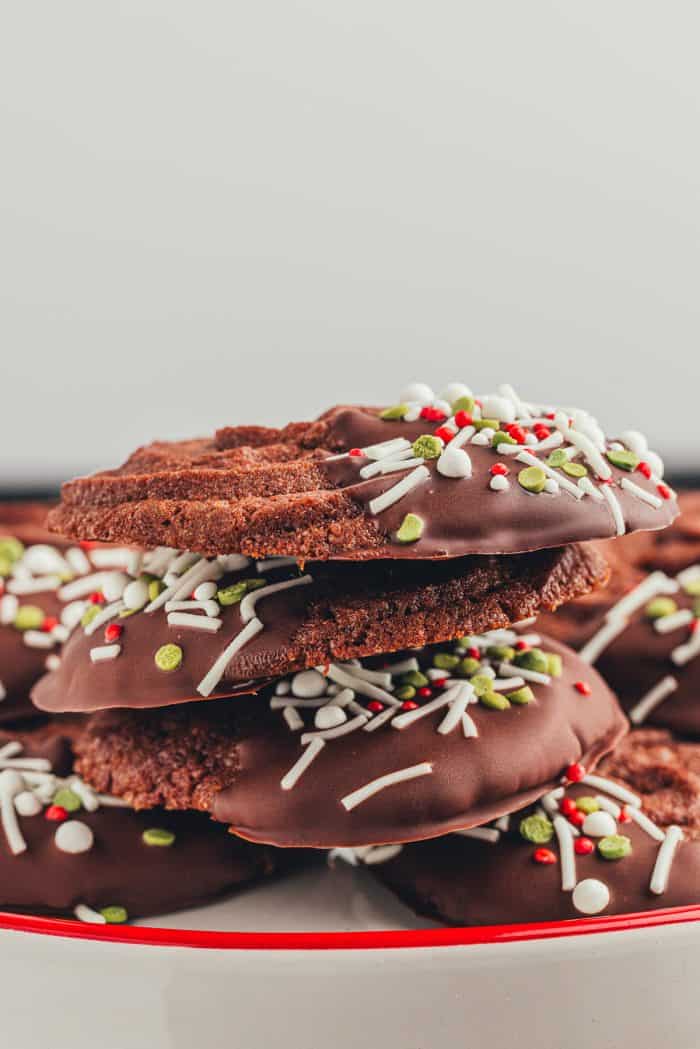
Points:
x=114, y=915
x=494, y=701
x=692, y=587
x=557, y=458
x=486, y=424
x=522, y=696
x=89, y=614
x=467, y=666
x=125, y=613
x=415, y=678
x=411, y=529
x=502, y=438
x=158, y=836
x=67, y=799
x=587, y=804
x=532, y=659
x=660, y=607
x=397, y=411
x=231, y=595
x=614, y=847
x=463, y=404
x=623, y=459
x=5, y=566
x=503, y=653
x=554, y=664
x=574, y=469
x=532, y=479
x=427, y=447
x=696, y=607
x=444, y=661
x=11, y=548
x=537, y=829
x=155, y=587
x=405, y=692
x=168, y=657
x=481, y=683
x=29, y=617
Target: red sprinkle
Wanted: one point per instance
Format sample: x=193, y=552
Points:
x=664, y=491
x=87, y=544
x=432, y=414
x=375, y=706
x=96, y=597
x=695, y=626
x=521, y=646
x=575, y=772
x=463, y=419
x=49, y=623
x=541, y=431
x=624, y=816
x=583, y=687
x=439, y=682
x=499, y=468
x=577, y=817
x=567, y=806
x=583, y=846
x=56, y=813
x=644, y=469
x=474, y=653
x=425, y=692
x=113, y=631
x=550, y=415
x=409, y=704
x=355, y=451
x=444, y=433
x=544, y=856
x=517, y=433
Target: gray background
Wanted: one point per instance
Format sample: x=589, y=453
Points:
x=218, y=212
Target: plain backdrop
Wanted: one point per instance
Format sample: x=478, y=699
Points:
x=217, y=212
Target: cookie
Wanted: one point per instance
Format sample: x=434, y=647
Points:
x=600, y=855
x=71, y=852
x=164, y=653
x=440, y=739
x=425, y=478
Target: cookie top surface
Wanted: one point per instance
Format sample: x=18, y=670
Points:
x=164, y=652
x=537, y=870
x=443, y=478
x=65, y=847
x=337, y=759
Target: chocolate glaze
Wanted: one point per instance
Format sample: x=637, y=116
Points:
x=462, y=881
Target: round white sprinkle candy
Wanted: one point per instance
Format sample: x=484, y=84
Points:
x=552, y=486
x=282, y=688
x=499, y=483
x=27, y=803
x=74, y=836
x=656, y=463
x=135, y=594
x=419, y=392
x=636, y=442
x=309, y=684
x=483, y=437
x=53, y=661
x=590, y=896
x=114, y=585
x=453, y=391
x=454, y=462
x=412, y=412
x=205, y=591
x=496, y=407
x=329, y=717
x=599, y=824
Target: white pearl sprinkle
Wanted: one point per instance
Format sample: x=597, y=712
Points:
x=329, y=717
x=205, y=591
x=552, y=486
x=496, y=407
x=135, y=594
x=74, y=836
x=599, y=824
x=419, y=392
x=454, y=390
x=454, y=462
x=590, y=896
x=114, y=585
x=499, y=483
x=309, y=684
x=412, y=413
x=27, y=803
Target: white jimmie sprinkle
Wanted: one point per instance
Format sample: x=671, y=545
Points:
x=399, y=490
x=299, y=768
x=664, y=860
x=104, y=652
x=357, y=797
x=213, y=676
x=653, y=698
x=567, y=857
x=614, y=505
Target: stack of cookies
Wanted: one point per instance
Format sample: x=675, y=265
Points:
x=325, y=636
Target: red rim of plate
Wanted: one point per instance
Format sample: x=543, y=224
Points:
x=154, y=936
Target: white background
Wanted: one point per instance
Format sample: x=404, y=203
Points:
x=219, y=212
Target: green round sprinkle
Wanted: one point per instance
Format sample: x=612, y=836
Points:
x=557, y=458
x=614, y=847
x=158, y=836
x=494, y=701
x=29, y=617
x=481, y=683
x=623, y=459
x=11, y=548
x=5, y=566
x=231, y=595
x=411, y=529
x=574, y=469
x=696, y=607
x=692, y=587
x=486, y=424
x=587, y=804
x=397, y=411
x=503, y=653
x=405, y=692
x=114, y=915
x=155, y=587
x=532, y=479
x=415, y=678
x=522, y=696
x=67, y=799
x=444, y=661
x=537, y=829
x=463, y=404
x=467, y=666
x=554, y=664
x=427, y=447
x=502, y=438
x=532, y=659
x=168, y=657
x=660, y=607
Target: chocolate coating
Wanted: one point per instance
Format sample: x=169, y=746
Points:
x=229, y=758
x=462, y=881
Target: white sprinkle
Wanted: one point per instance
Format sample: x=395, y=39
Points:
x=74, y=836
x=599, y=824
x=299, y=768
x=133, y=563
x=531, y=460
x=379, y=719
x=647, y=825
x=652, y=699
x=8, y=609
x=11, y=784
x=613, y=789
x=502, y=823
x=377, y=677
x=664, y=860
x=507, y=684
x=294, y=720
x=601, y=639
x=347, y=679
x=330, y=716
x=27, y=803
x=105, y=652
x=9, y=750
x=200, y=572
x=86, y=914
x=195, y=622
x=52, y=662
x=469, y=729
x=403, y=666
x=114, y=585
x=495, y=407
x=209, y=607
x=386, y=449
x=550, y=800
x=607, y=805
x=636, y=442
x=654, y=584
x=381, y=854
x=401, y=461
x=462, y=437
x=615, y=509
x=567, y=858
x=86, y=794
x=590, y=896
x=282, y=688
x=308, y=684
x=280, y=702
x=82, y=587
x=247, y=606
x=454, y=462
x=458, y=706
x=212, y=677
x=135, y=594
x=110, y=802
x=419, y=392
x=684, y=653
x=551, y=486
x=231, y=563
x=489, y=834
x=666, y=624
x=106, y=557
x=37, y=585
x=499, y=483
x=357, y=797
x=586, y=446
x=38, y=639
x=529, y=675
x=641, y=493
x=269, y=564
x=340, y=730
x=688, y=575
x=588, y=488
x=72, y=613
x=454, y=390
x=77, y=560
x=103, y=616
x=399, y=490
x=555, y=440
x=402, y=721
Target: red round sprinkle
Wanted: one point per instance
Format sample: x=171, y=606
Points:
x=355, y=451
x=113, y=631
x=49, y=623
x=499, y=468
x=644, y=469
x=583, y=687
x=550, y=415
x=541, y=431
x=517, y=433
x=56, y=813
x=409, y=704
x=544, y=856
x=567, y=806
x=575, y=772
x=463, y=419
x=87, y=544
x=439, y=682
x=432, y=414
x=624, y=816
x=425, y=692
x=474, y=653
x=695, y=626
x=521, y=646
x=577, y=818
x=444, y=433
x=375, y=706
x=664, y=491
x=583, y=846
x=96, y=598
